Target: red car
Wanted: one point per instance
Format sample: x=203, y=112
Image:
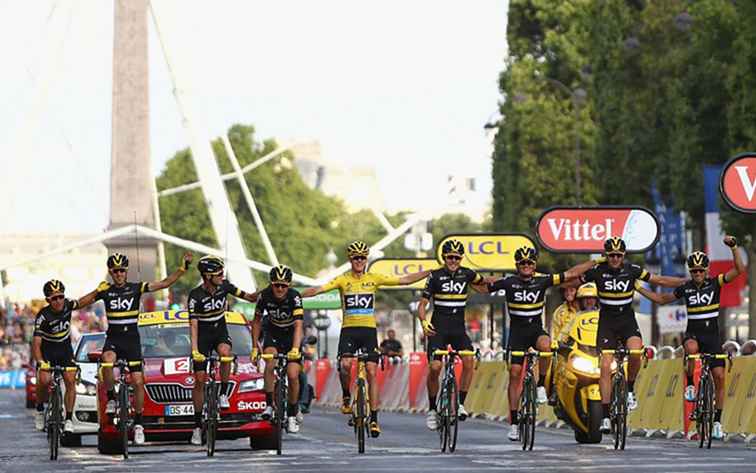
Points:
x=168, y=409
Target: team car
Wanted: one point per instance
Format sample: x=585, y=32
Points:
x=168, y=380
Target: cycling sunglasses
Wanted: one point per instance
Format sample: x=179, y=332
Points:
x=56, y=298
x=453, y=257
x=358, y=258
x=279, y=285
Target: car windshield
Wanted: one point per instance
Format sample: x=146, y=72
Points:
x=89, y=343
x=172, y=340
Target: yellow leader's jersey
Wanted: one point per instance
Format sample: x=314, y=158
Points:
x=358, y=296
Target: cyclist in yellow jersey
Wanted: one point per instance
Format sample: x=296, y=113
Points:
x=358, y=288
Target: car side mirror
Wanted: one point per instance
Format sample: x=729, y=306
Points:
x=94, y=356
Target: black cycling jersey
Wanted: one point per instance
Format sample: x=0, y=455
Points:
x=449, y=291
x=122, y=305
x=615, y=286
x=54, y=327
x=525, y=297
x=210, y=308
x=701, y=301
x=279, y=314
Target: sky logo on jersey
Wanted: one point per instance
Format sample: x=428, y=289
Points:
x=619, y=286
x=527, y=296
x=119, y=304
x=452, y=287
x=585, y=229
x=358, y=303
x=214, y=304
x=700, y=299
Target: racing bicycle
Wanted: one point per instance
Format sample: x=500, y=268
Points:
x=448, y=399
x=703, y=413
x=618, y=403
x=281, y=394
x=360, y=419
x=528, y=409
x=54, y=413
x=211, y=411
x=122, y=418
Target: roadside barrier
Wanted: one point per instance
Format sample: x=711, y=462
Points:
x=13, y=379
x=658, y=387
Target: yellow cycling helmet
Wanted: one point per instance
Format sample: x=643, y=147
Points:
x=357, y=248
x=587, y=290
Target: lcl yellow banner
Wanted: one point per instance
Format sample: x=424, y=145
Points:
x=488, y=252
x=399, y=267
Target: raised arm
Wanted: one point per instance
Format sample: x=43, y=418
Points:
x=658, y=297
x=313, y=291
x=666, y=281
x=577, y=270
x=88, y=298
x=413, y=277
x=740, y=267
x=172, y=278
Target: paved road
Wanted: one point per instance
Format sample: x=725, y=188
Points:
x=325, y=445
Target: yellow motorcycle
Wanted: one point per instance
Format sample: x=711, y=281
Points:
x=576, y=381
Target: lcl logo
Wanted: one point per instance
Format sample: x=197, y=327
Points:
x=738, y=182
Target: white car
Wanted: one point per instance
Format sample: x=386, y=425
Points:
x=85, y=409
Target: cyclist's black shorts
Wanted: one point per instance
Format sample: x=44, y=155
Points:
x=209, y=336
x=126, y=345
x=354, y=338
x=58, y=354
x=523, y=334
x=614, y=327
x=450, y=330
x=280, y=339
x=706, y=333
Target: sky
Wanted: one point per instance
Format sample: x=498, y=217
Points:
x=403, y=86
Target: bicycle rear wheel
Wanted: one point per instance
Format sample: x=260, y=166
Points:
x=211, y=423
x=123, y=418
x=524, y=413
x=280, y=411
x=453, y=414
x=359, y=424
x=709, y=409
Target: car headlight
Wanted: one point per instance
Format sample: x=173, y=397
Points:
x=33, y=380
x=252, y=385
x=585, y=365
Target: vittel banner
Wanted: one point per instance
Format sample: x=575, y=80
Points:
x=738, y=183
x=585, y=229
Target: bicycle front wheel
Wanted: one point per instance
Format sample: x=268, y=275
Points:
x=361, y=410
x=709, y=409
x=123, y=418
x=211, y=423
x=281, y=411
x=453, y=397
x=619, y=408
x=443, y=415
x=53, y=427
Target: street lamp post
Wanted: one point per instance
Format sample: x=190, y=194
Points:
x=578, y=97
x=322, y=322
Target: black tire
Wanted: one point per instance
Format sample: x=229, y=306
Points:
x=523, y=414
x=281, y=408
x=594, y=424
x=710, y=404
x=453, y=415
x=443, y=415
x=123, y=419
x=29, y=403
x=53, y=427
x=619, y=401
x=531, y=415
x=361, y=414
x=211, y=423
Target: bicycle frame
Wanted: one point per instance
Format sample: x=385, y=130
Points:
x=360, y=419
x=528, y=408
x=703, y=413
x=281, y=394
x=448, y=399
x=54, y=413
x=211, y=412
x=122, y=417
x=618, y=404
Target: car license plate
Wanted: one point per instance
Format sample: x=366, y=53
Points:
x=179, y=410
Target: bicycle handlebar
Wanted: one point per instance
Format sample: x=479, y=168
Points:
x=120, y=364
x=544, y=354
x=459, y=353
x=717, y=356
x=60, y=368
x=639, y=351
